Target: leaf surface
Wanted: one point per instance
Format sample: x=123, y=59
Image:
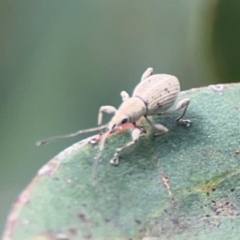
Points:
x=183, y=185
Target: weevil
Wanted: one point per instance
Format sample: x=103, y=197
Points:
x=154, y=95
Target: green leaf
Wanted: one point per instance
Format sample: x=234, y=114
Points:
x=183, y=185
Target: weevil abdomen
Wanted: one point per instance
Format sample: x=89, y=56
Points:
x=159, y=92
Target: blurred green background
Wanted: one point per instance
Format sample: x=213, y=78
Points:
x=61, y=60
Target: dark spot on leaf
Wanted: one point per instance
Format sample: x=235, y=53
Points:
x=207, y=193
x=225, y=208
x=89, y=236
x=207, y=215
x=84, y=220
x=107, y=220
x=175, y=221
x=213, y=189
x=81, y=216
x=232, y=190
x=213, y=201
x=137, y=221
x=73, y=231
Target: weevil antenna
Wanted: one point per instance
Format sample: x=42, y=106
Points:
x=102, y=142
x=51, y=139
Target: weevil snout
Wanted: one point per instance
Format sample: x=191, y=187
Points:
x=113, y=125
x=117, y=121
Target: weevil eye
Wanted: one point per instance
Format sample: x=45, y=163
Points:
x=124, y=120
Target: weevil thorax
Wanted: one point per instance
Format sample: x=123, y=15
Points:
x=129, y=112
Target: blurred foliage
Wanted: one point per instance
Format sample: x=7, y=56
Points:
x=225, y=39
x=61, y=60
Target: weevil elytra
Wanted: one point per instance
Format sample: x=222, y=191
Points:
x=152, y=96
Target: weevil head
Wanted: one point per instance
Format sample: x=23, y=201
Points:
x=129, y=112
x=117, y=120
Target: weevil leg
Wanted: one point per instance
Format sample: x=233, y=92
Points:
x=136, y=133
x=147, y=74
x=124, y=95
x=106, y=109
x=181, y=104
x=159, y=127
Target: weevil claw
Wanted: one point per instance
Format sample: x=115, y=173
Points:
x=114, y=161
x=93, y=141
x=186, y=122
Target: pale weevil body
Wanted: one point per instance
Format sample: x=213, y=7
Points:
x=152, y=96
